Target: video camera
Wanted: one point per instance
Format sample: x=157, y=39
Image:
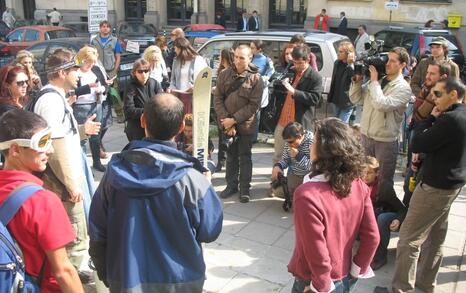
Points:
x=276, y=80
x=374, y=56
x=283, y=182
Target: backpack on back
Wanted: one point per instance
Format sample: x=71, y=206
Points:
x=34, y=98
x=13, y=277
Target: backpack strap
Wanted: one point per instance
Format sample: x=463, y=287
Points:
x=15, y=200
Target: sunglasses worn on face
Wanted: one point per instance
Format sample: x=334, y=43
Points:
x=141, y=71
x=438, y=94
x=40, y=141
x=22, y=82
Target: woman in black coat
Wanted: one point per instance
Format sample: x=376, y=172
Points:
x=139, y=90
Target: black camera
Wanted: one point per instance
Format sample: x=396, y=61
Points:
x=373, y=57
x=283, y=182
x=276, y=80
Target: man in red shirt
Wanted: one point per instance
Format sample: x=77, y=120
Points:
x=41, y=226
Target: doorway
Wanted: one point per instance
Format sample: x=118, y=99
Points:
x=29, y=8
x=135, y=9
x=288, y=13
x=180, y=11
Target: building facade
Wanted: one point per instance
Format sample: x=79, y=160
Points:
x=273, y=13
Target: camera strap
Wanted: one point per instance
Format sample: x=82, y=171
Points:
x=236, y=84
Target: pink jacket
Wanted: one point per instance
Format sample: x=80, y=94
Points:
x=326, y=227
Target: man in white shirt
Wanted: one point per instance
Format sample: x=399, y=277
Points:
x=55, y=17
x=361, y=40
x=8, y=18
x=65, y=171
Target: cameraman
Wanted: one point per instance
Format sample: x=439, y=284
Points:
x=236, y=100
x=384, y=103
x=303, y=94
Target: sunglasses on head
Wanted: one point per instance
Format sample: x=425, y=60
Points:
x=141, y=71
x=22, y=82
x=40, y=141
x=438, y=94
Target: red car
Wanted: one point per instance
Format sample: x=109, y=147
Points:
x=203, y=27
x=26, y=36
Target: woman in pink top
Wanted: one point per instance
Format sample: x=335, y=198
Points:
x=331, y=209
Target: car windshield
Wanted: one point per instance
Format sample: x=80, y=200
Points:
x=137, y=28
x=58, y=34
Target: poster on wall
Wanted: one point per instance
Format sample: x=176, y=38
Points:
x=97, y=12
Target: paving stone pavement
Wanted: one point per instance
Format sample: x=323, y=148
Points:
x=256, y=243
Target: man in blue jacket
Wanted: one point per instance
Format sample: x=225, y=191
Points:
x=152, y=210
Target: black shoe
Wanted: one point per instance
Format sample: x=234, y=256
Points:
x=227, y=192
x=99, y=167
x=379, y=289
x=377, y=264
x=86, y=277
x=244, y=197
x=219, y=167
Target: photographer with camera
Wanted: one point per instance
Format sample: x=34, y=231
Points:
x=237, y=98
x=343, y=71
x=303, y=93
x=384, y=103
x=295, y=155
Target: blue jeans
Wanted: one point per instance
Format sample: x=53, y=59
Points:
x=81, y=113
x=383, y=221
x=345, y=285
x=344, y=113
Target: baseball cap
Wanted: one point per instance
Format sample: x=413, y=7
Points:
x=438, y=41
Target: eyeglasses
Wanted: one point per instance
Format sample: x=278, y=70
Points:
x=40, y=141
x=22, y=82
x=438, y=94
x=141, y=71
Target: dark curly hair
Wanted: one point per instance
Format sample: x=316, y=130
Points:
x=339, y=154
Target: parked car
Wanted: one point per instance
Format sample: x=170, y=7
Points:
x=203, y=27
x=322, y=44
x=142, y=33
x=4, y=30
x=26, y=36
x=416, y=41
x=80, y=28
x=43, y=50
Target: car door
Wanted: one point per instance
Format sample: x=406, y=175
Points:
x=31, y=37
x=15, y=39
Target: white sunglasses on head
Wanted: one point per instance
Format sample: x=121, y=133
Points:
x=40, y=141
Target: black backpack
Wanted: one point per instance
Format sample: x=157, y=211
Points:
x=37, y=95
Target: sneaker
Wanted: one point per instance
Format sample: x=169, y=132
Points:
x=227, y=192
x=244, y=197
x=99, y=167
x=86, y=277
x=377, y=264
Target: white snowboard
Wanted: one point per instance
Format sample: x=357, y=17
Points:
x=201, y=115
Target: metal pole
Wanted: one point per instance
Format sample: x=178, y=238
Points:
x=390, y=20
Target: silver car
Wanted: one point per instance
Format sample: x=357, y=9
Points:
x=324, y=45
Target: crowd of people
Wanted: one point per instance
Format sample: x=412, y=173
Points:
x=155, y=204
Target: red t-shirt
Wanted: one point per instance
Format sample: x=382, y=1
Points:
x=40, y=225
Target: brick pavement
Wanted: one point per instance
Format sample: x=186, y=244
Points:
x=257, y=240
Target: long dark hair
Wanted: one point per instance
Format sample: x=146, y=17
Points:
x=8, y=74
x=187, y=51
x=225, y=55
x=339, y=154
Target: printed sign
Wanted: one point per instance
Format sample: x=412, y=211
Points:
x=97, y=12
x=392, y=5
x=132, y=47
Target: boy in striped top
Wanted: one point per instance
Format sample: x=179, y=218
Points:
x=295, y=155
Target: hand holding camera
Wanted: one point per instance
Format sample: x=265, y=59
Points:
x=275, y=171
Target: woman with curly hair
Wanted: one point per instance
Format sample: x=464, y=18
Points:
x=330, y=210
x=25, y=59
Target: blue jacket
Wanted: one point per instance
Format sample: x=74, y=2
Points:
x=148, y=218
